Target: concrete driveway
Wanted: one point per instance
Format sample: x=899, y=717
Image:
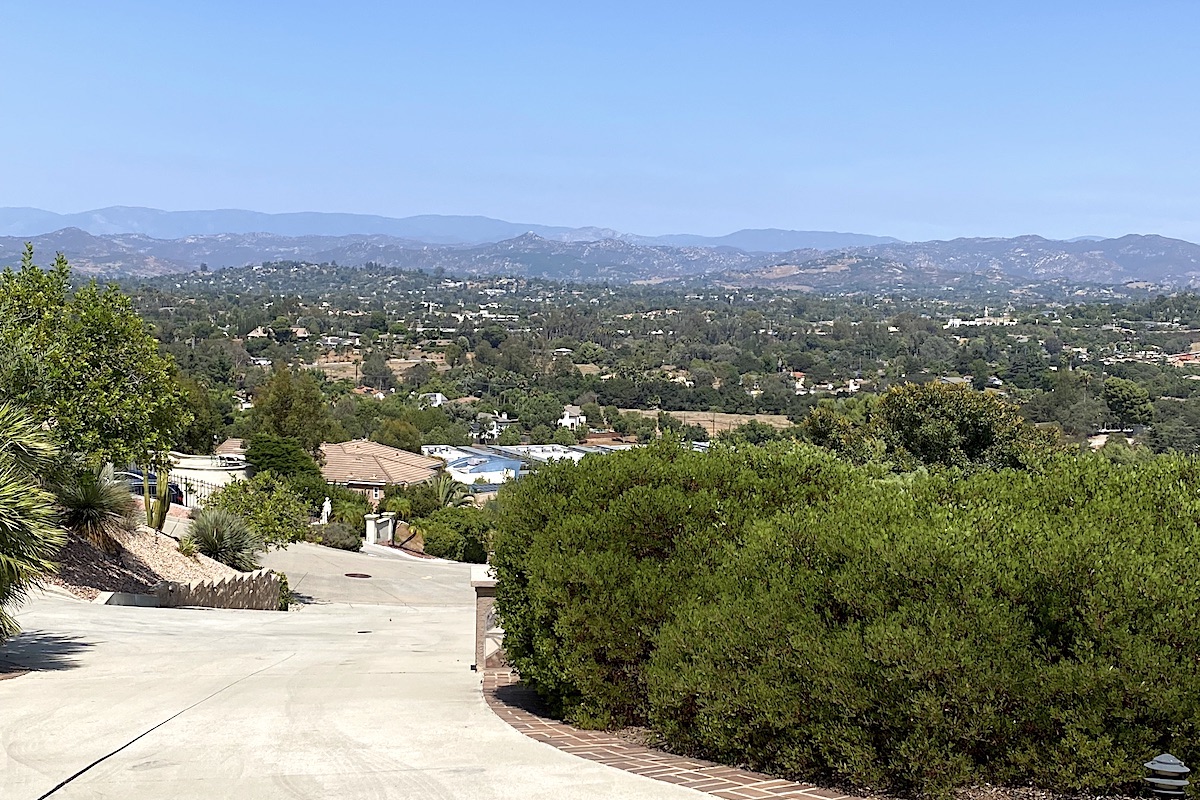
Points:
x=365, y=692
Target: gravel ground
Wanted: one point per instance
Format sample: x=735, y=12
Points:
x=147, y=557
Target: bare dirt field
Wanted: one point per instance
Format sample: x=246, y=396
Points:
x=350, y=370
x=716, y=423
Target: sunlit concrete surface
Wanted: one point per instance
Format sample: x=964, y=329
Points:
x=366, y=692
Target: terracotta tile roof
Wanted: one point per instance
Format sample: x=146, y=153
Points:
x=365, y=462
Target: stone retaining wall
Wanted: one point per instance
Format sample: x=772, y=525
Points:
x=253, y=590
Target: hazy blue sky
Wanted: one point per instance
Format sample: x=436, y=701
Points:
x=917, y=120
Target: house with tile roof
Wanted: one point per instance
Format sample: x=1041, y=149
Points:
x=368, y=467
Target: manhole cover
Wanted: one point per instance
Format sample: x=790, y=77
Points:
x=357, y=575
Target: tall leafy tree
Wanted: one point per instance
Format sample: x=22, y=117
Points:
x=1129, y=401
x=291, y=405
x=85, y=364
x=376, y=373
x=281, y=455
x=950, y=426
x=400, y=434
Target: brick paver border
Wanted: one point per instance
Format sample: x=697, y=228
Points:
x=519, y=707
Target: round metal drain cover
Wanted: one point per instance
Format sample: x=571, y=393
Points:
x=357, y=575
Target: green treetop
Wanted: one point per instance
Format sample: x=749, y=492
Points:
x=85, y=364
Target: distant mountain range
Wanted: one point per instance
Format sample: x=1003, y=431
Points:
x=428, y=228
x=820, y=261
x=1001, y=264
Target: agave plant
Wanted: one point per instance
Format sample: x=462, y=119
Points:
x=95, y=506
x=224, y=536
x=29, y=539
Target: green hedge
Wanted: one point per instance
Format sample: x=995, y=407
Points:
x=460, y=534
x=593, y=557
x=775, y=608
x=337, y=535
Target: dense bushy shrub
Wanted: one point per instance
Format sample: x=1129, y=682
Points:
x=269, y=505
x=335, y=534
x=1012, y=627
x=281, y=455
x=593, y=557
x=460, y=534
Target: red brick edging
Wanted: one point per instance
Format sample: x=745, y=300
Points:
x=517, y=706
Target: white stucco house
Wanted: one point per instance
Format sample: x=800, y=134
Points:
x=573, y=418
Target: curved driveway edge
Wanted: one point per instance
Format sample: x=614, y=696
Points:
x=516, y=705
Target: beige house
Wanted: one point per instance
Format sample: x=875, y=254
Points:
x=367, y=467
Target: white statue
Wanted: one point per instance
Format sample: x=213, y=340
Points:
x=326, y=510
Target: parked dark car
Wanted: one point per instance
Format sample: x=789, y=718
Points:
x=134, y=479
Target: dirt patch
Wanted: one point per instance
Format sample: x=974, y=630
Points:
x=145, y=559
x=85, y=571
x=716, y=423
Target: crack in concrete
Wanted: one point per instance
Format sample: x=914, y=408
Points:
x=150, y=730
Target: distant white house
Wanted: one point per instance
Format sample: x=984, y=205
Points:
x=573, y=418
x=433, y=399
x=258, y=333
x=488, y=427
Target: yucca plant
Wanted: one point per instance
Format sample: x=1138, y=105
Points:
x=96, y=507
x=29, y=539
x=224, y=536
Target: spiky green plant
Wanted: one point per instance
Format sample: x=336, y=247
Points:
x=29, y=539
x=187, y=546
x=224, y=536
x=157, y=506
x=96, y=507
x=450, y=493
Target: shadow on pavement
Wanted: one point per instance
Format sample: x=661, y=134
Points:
x=39, y=650
x=302, y=599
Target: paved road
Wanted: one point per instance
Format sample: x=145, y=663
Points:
x=365, y=692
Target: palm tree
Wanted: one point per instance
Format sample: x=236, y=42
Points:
x=96, y=507
x=29, y=539
x=450, y=493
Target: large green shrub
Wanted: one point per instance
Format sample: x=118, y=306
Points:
x=274, y=511
x=1010, y=627
x=281, y=455
x=592, y=558
x=336, y=534
x=461, y=533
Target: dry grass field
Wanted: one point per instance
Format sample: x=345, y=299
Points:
x=349, y=370
x=715, y=423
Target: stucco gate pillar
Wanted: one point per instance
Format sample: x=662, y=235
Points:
x=489, y=636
